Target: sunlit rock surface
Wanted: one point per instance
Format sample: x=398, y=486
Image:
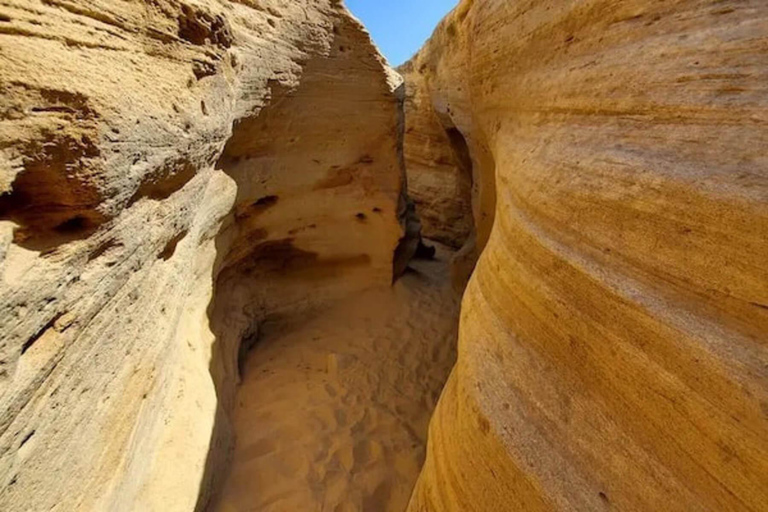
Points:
x=158, y=160
x=612, y=350
x=172, y=174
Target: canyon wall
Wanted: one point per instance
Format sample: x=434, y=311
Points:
x=439, y=166
x=172, y=173
x=612, y=350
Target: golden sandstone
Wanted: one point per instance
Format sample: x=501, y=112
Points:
x=612, y=345
x=174, y=174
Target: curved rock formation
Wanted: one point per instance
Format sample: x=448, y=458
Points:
x=439, y=166
x=612, y=349
x=150, y=151
x=174, y=173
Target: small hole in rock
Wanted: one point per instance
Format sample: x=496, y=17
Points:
x=73, y=225
x=361, y=216
x=266, y=201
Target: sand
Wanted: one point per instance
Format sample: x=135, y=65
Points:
x=332, y=413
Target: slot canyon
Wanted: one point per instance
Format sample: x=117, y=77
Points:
x=247, y=265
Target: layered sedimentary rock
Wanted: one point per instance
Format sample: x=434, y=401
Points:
x=438, y=164
x=151, y=152
x=612, y=350
x=450, y=167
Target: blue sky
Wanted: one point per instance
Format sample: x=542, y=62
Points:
x=400, y=27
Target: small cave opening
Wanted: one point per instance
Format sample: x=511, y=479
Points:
x=49, y=201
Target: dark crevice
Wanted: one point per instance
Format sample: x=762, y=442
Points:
x=167, y=180
x=257, y=207
x=27, y=438
x=102, y=249
x=74, y=225
x=425, y=252
x=170, y=247
x=249, y=340
x=48, y=200
x=39, y=334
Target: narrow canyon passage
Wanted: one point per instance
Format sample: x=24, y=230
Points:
x=204, y=205
x=332, y=412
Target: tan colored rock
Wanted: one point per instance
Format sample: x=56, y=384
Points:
x=149, y=152
x=450, y=166
x=438, y=165
x=612, y=350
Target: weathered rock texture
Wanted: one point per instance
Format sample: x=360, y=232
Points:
x=438, y=163
x=151, y=151
x=450, y=167
x=612, y=349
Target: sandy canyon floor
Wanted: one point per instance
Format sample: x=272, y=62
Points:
x=332, y=414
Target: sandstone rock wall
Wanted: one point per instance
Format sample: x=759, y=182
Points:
x=438, y=164
x=151, y=152
x=612, y=349
x=450, y=166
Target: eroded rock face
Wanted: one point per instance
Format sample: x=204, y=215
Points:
x=151, y=152
x=450, y=166
x=612, y=349
x=439, y=165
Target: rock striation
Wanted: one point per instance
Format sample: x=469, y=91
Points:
x=172, y=173
x=438, y=164
x=612, y=347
